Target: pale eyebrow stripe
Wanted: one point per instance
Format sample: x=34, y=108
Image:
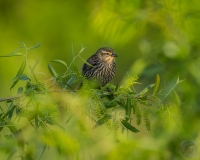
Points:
x=105, y=52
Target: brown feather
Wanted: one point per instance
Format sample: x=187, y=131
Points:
x=103, y=66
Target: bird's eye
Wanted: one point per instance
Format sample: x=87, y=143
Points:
x=106, y=53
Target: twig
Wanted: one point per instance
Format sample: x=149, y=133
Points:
x=10, y=98
x=18, y=96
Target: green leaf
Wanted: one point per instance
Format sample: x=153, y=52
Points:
x=179, y=81
x=70, y=81
x=2, y=125
x=12, y=54
x=36, y=121
x=21, y=69
x=108, y=87
x=110, y=104
x=10, y=110
x=34, y=66
x=11, y=155
x=18, y=111
x=103, y=120
x=73, y=48
x=52, y=71
x=20, y=90
x=76, y=70
x=13, y=84
x=36, y=46
x=9, y=137
x=61, y=84
x=43, y=150
x=70, y=117
x=116, y=99
x=157, y=84
x=177, y=99
x=129, y=126
x=17, y=77
x=55, y=123
x=117, y=86
x=60, y=61
x=146, y=89
x=22, y=77
x=86, y=62
x=128, y=108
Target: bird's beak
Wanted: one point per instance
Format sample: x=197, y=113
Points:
x=114, y=55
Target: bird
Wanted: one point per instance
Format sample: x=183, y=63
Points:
x=101, y=66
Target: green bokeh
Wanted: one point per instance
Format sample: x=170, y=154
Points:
x=150, y=37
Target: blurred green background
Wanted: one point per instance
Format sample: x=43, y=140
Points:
x=150, y=37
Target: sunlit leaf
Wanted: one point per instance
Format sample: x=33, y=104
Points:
x=177, y=99
x=146, y=89
x=108, y=87
x=179, y=81
x=52, y=71
x=60, y=62
x=12, y=54
x=157, y=84
x=129, y=126
x=32, y=115
x=21, y=69
x=55, y=123
x=36, y=46
x=33, y=68
x=86, y=62
x=103, y=120
x=75, y=67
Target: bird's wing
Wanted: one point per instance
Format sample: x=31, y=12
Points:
x=88, y=68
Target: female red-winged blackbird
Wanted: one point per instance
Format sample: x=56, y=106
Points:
x=102, y=66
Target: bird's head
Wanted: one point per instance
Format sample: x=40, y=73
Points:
x=106, y=54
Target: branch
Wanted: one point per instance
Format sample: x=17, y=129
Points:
x=18, y=96
x=10, y=98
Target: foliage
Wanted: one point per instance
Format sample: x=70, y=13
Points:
x=150, y=37
x=116, y=107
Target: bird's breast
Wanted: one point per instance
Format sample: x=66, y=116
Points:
x=105, y=73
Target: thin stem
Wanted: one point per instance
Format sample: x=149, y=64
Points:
x=10, y=98
x=18, y=96
x=2, y=109
x=26, y=58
